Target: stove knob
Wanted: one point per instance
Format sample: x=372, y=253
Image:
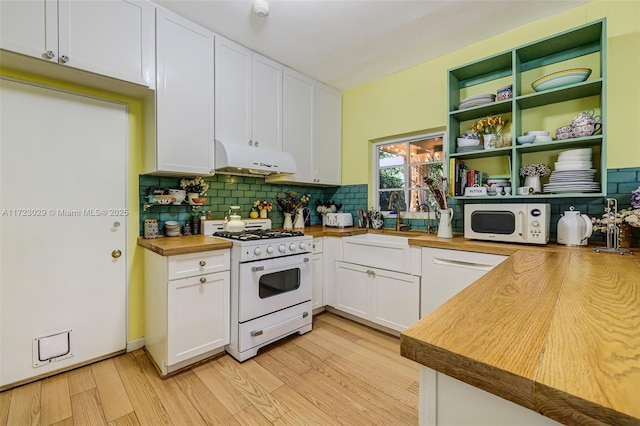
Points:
x=303, y=246
x=270, y=250
x=292, y=247
x=257, y=251
x=282, y=248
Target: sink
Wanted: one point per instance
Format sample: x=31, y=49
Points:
x=383, y=251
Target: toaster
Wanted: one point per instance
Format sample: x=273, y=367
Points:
x=339, y=220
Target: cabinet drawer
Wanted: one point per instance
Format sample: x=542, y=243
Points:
x=273, y=326
x=189, y=265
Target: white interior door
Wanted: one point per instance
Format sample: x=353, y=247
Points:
x=63, y=212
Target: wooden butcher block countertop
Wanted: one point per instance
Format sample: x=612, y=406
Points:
x=171, y=246
x=553, y=328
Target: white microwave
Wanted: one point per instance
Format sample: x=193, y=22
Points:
x=512, y=223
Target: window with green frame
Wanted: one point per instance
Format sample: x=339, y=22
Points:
x=402, y=165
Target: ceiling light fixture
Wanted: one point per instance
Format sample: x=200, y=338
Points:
x=261, y=8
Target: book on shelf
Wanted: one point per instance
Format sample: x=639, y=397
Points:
x=459, y=177
x=476, y=178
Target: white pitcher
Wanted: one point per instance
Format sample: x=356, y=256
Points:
x=445, y=229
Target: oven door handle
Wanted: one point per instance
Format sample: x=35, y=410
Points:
x=257, y=268
x=256, y=333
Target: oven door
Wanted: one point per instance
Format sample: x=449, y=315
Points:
x=266, y=286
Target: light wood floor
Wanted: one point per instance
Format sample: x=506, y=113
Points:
x=340, y=373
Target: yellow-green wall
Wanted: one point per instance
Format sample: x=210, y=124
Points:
x=135, y=259
x=415, y=99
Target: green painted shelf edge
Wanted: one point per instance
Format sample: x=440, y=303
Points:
x=573, y=43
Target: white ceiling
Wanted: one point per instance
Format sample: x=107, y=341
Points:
x=345, y=43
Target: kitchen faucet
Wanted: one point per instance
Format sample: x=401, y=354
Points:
x=428, y=215
x=399, y=225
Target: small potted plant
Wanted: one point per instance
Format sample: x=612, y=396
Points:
x=324, y=207
x=624, y=219
x=532, y=173
x=263, y=207
x=289, y=204
x=490, y=128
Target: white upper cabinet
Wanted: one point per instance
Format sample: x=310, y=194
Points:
x=248, y=97
x=112, y=38
x=328, y=145
x=312, y=130
x=233, y=92
x=267, y=102
x=182, y=140
x=298, y=122
x=30, y=28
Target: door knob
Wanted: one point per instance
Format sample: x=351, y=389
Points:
x=116, y=254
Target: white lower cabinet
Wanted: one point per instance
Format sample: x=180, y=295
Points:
x=447, y=272
x=317, y=300
x=187, y=318
x=387, y=298
x=450, y=402
x=444, y=274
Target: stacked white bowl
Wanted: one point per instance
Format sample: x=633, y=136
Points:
x=171, y=228
x=541, y=135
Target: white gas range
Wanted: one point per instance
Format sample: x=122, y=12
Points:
x=271, y=281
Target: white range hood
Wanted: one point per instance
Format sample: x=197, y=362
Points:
x=238, y=159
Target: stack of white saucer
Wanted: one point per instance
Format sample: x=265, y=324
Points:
x=573, y=172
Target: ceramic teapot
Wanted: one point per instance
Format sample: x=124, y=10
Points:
x=232, y=222
x=574, y=229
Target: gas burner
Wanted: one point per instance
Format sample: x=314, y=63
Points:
x=257, y=234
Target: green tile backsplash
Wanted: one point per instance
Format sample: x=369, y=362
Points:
x=227, y=190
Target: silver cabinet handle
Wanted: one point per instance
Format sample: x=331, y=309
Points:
x=276, y=326
x=49, y=54
x=203, y=280
x=203, y=263
x=64, y=59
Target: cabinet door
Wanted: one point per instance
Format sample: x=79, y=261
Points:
x=184, y=97
x=352, y=289
x=267, y=102
x=233, y=92
x=298, y=118
x=113, y=38
x=445, y=273
x=331, y=252
x=198, y=315
x=30, y=28
x=328, y=144
x=396, y=300
x=318, y=268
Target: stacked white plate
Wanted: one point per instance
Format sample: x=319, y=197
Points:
x=477, y=100
x=573, y=173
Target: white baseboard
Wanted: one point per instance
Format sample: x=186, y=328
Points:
x=136, y=344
